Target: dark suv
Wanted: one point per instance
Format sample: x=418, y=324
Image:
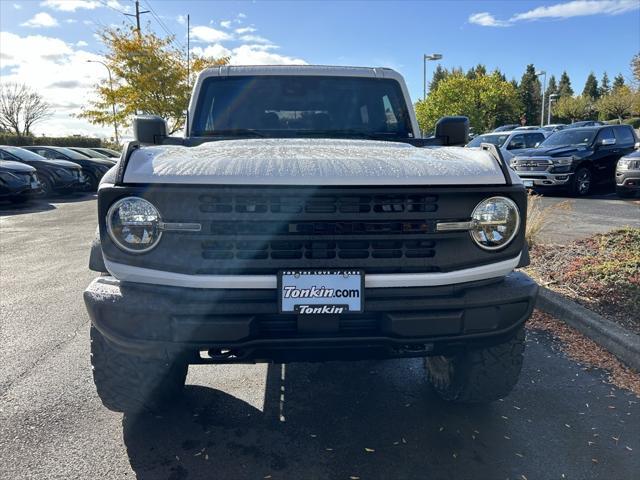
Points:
x=575, y=159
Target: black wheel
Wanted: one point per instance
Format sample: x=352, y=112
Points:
x=93, y=182
x=46, y=187
x=581, y=182
x=480, y=375
x=132, y=384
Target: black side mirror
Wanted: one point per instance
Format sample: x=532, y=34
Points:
x=149, y=129
x=453, y=130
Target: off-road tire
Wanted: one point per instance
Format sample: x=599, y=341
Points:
x=478, y=375
x=578, y=187
x=132, y=384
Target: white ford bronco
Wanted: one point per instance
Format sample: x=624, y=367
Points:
x=302, y=217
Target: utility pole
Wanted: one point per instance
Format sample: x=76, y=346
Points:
x=137, y=15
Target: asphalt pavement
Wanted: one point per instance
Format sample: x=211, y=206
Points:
x=367, y=420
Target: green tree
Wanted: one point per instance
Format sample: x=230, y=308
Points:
x=439, y=74
x=618, y=81
x=477, y=71
x=530, y=95
x=572, y=109
x=591, y=87
x=552, y=87
x=564, y=86
x=619, y=104
x=149, y=77
x=487, y=100
x=605, y=86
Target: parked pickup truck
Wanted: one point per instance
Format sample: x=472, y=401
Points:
x=302, y=217
x=575, y=159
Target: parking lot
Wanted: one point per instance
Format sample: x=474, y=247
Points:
x=333, y=420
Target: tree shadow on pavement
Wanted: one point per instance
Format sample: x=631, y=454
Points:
x=330, y=420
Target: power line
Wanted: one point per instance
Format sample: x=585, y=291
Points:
x=116, y=10
x=164, y=26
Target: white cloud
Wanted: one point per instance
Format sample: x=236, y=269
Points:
x=208, y=34
x=17, y=6
x=485, y=19
x=82, y=43
x=579, y=8
x=215, y=51
x=254, y=39
x=70, y=20
x=66, y=85
x=181, y=19
x=575, y=8
x=257, y=55
x=73, y=5
x=40, y=20
x=226, y=23
x=244, y=30
x=241, y=15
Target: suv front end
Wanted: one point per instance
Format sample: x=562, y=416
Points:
x=628, y=175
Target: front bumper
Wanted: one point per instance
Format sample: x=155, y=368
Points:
x=544, y=179
x=239, y=326
x=628, y=179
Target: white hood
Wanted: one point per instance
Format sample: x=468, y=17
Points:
x=312, y=162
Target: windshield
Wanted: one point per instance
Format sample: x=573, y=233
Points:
x=570, y=137
x=23, y=154
x=71, y=153
x=286, y=106
x=497, y=140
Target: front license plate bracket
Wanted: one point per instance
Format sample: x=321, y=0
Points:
x=321, y=292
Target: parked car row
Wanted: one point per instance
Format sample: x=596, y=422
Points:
x=45, y=170
x=573, y=158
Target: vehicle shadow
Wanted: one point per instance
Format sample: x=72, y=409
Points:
x=330, y=420
x=32, y=206
x=40, y=204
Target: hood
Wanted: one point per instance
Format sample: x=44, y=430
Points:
x=285, y=161
x=46, y=163
x=635, y=155
x=559, y=151
x=17, y=167
x=86, y=162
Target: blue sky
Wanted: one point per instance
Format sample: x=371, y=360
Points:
x=46, y=43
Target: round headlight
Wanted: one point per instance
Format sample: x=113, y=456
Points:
x=134, y=224
x=494, y=223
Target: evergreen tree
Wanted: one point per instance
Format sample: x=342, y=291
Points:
x=477, y=71
x=499, y=74
x=591, y=87
x=564, y=87
x=605, y=86
x=618, y=81
x=514, y=82
x=552, y=87
x=530, y=95
x=439, y=74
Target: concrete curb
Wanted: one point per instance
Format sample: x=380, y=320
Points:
x=623, y=344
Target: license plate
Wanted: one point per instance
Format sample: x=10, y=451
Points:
x=528, y=183
x=320, y=292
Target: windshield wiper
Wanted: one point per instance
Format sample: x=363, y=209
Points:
x=234, y=132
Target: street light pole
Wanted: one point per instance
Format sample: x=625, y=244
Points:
x=544, y=88
x=552, y=98
x=113, y=100
x=425, y=57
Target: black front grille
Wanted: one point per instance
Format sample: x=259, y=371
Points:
x=296, y=231
x=329, y=204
